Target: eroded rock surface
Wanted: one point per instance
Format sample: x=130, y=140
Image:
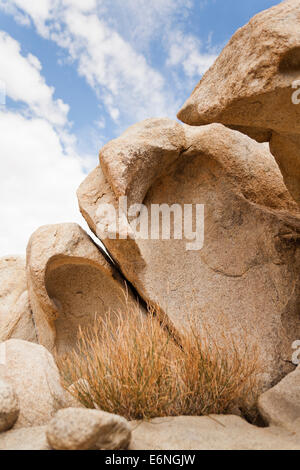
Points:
x=143, y=151
x=246, y=276
x=15, y=313
x=70, y=284
x=280, y=406
x=256, y=92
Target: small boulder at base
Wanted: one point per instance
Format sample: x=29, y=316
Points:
x=9, y=406
x=34, y=376
x=83, y=429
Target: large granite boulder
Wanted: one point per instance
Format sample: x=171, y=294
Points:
x=245, y=276
x=256, y=91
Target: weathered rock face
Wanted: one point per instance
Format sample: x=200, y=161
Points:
x=82, y=429
x=255, y=87
x=245, y=276
x=216, y=432
x=9, y=406
x=280, y=406
x=70, y=284
x=32, y=372
x=253, y=91
x=15, y=314
x=143, y=151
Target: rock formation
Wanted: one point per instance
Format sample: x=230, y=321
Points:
x=32, y=373
x=33, y=378
x=15, y=312
x=245, y=278
x=227, y=256
x=70, y=283
x=253, y=91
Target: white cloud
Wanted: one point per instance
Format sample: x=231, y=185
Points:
x=24, y=82
x=142, y=20
x=40, y=170
x=106, y=39
x=81, y=5
x=37, y=10
x=122, y=78
x=187, y=52
x=38, y=180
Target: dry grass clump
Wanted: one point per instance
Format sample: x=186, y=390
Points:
x=135, y=369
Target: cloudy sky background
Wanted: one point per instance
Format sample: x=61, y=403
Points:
x=76, y=73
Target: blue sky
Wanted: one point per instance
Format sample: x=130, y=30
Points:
x=79, y=72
